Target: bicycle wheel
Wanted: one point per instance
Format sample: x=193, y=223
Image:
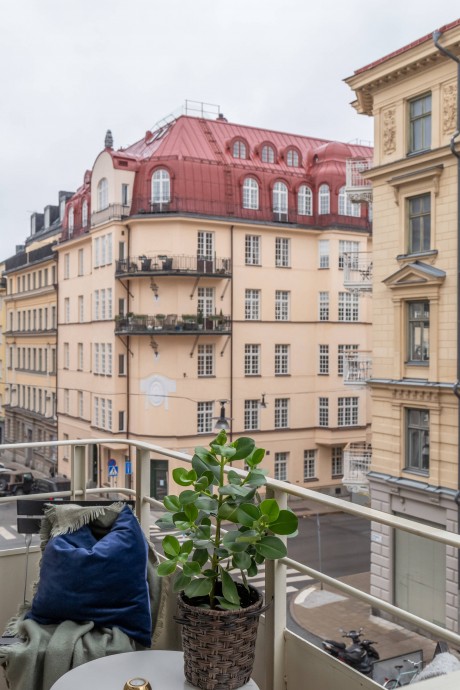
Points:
x=392, y=683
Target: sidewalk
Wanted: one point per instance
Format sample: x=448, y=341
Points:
x=323, y=612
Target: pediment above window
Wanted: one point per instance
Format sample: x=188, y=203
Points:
x=416, y=273
x=429, y=176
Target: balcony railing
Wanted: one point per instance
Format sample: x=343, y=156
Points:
x=357, y=271
x=172, y=324
x=357, y=187
x=357, y=460
x=357, y=367
x=112, y=212
x=163, y=264
x=284, y=660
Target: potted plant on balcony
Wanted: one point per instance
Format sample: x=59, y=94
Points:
x=219, y=614
x=159, y=319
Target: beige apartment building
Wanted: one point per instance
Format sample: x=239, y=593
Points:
x=412, y=96
x=201, y=275
x=2, y=350
x=31, y=339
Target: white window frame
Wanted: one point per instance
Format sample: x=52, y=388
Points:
x=80, y=360
x=267, y=154
x=251, y=359
x=336, y=461
x=239, y=150
x=280, y=468
x=323, y=306
x=281, y=417
x=206, y=301
x=348, y=307
x=341, y=351
x=323, y=254
x=252, y=304
x=251, y=415
x=66, y=266
x=348, y=411
x=81, y=309
x=84, y=213
x=205, y=360
x=204, y=417
x=309, y=465
x=102, y=194
x=348, y=247
x=282, y=305
x=161, y=187
x=323, y=411
x=324, y=200
x=251, y=194
x=282, y=252
x=292, y=158
x=280, y=197
x=305, y=201
x=81, y=262
x=282, y=356
x=346, y=206
x=252, y=245
x=323, y=360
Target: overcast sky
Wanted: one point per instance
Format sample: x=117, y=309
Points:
x=72, y=70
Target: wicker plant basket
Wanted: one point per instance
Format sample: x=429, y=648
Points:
x=219, y=646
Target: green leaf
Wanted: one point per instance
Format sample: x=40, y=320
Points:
x=244, y=446
x=171, y=503
x=270, y=509
x=230, y=542
x=243, y=561
x=166, y=568
x=202, y=483
x=165, y=521
x=201, y=556
x=181, y=521
x=192, y=568
x=286, y=523
x=188, y=496
x=209, y=573
x=256, y=478
x=247, y=514
x=256, y=457
x=203, y=532
x=234, y=478
x=206, y=463
x=227, y=605
x=271, y=548
x=226, y=452
x=171, y=546
x=191, y=512
x=199, y=587
x=229, y=589
x=236, y=491
x=180, y=582
x=184, y=477
x=253, y=569
x=210, y=505
x=250, y=536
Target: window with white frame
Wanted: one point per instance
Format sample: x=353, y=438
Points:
x=281, y=413
x=205, y=245
x=280, y=198
x=206, y=296
x=349, y=247
x=239, y=149
x=420, y=123
x=323, y=411
x=80, y=357
x=81, y=310
x=250, y=193
x=309, y=465
x=96, y=411
x=282, y=304
x=323, y=251
x=109, y=303
x=292, y=158
x=323, y=367
x=96, y=305
x=418, y=315
x=305, y=201
x=97, y=252
x=348, y=411
x=66, y=400
x=324, y=200
x=204, y=417
x=84, y=214
x=66, y=356
x=281, y=360
x=71, y=219
x=81, y=265
x=346, y=206
x=336, y=461
x=66, y=266
x=122, y=365
x=80, y=404
x=161, y=187
x=108, y=367
x=348, y=306
x=102, y=194
x=66, y=310
x=280, y=468
x=251, y=304
x=252, y=250
x=341, y=352
x=251, y=360
x=124, y=194
x=282, y=252
x=268, y=154
x=205, y=360
x=251, y=415
x=324, y=306
x=96, y=358
x=103, y=304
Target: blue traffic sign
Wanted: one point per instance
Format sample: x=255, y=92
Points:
x=111, y=462
x=113, y=471
x=128, y=467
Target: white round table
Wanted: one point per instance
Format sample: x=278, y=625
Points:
x=164, y=671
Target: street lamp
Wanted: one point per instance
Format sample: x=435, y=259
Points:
x=222, y=422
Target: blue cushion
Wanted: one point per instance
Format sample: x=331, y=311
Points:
x=105, y=580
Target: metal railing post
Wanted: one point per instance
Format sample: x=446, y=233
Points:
x=275, y=618
x=143, y=489
x=78, y=472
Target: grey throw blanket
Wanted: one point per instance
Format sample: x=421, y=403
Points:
x=46, y=652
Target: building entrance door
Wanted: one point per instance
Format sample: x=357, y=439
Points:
x=159, y=479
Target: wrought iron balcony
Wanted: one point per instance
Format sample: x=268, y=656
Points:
x=173, y=324
x=357, y=367
x=357, y=458
x=164, y=264
x=357, y=271
x=357, y=187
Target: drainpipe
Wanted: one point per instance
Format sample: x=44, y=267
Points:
x=456, y=388
x=231, y=334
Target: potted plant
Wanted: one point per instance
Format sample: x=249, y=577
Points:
x=211, y=560
x=159, y=318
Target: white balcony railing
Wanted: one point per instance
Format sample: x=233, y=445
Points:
x=357, y=187
x=357, y=367
x=284, y=661
x=357, y=271
x=356, y=465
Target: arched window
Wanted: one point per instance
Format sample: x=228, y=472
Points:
x=292, y=158
x=250, y=193
x=84, y=213
x=102, y=194
x=324, y=200
x=161, y=187
x=239, y=149
x=268, y=154
x=71, y=219
x=347, y=207
x=304, y=201
x=280, y=198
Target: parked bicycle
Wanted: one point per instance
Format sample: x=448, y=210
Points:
x=404, y=677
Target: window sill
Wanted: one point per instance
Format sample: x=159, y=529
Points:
x=282, y=374
x=337, y=476
x=417, y=363
x=414, y=470
x=310, y=480
x=410, y=256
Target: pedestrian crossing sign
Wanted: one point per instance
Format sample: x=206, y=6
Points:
x=113, y=471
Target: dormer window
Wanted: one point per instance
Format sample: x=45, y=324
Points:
x=324, y=199
x=347, y=207
x=161, y=187
x=102, y=194
x=304, y=201
x=280, y=198
x=84, y=213
x=239, y=149
x=250, y=193
x=268, y=154
x=71, y=219
x=292, y=158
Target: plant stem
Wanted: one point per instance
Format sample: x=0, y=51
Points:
x=215, y=557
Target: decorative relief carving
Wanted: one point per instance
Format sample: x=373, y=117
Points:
x=415, y=395
x=389, y=131
x=449, y=108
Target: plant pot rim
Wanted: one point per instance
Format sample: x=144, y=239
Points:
x=252, y=609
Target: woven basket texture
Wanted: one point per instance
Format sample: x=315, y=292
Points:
x=219, y=646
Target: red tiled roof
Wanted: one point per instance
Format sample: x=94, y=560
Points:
x=419, y=41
